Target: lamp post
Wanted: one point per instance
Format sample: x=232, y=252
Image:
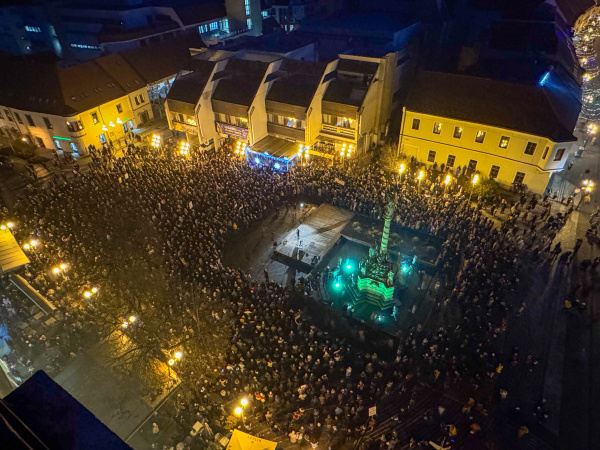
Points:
x=446, y=182
x=184, y=148
x=474, y=182
x=30, y=246
x=419, y=178
x=592, y=129
x=7, y=226
x=156, y=141
x=401, y=172
x=585, y=191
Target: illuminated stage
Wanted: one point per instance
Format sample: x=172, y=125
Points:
x=318, y=233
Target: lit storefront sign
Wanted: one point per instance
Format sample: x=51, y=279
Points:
x=186, y=128
x=232, y=130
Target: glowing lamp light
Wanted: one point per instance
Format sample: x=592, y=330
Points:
x=349, y=267
x=10, y=224
x=244, y=402
x=544, y=79
x=238, y=411
x=56, y=270
x=26, y=246
x=447, y=180
x=132, y=319
x=94, y=290
x=257, y=161
x=125, y=324
x=337, y=285
x=475, y=178
x=63, y=266
x=420, y=176
x=277, y=166
x=404, y=268
x=34, y=243
x=119, y=120
x=87, y=294
x=171, y=362
x=2, y=227
x=178, y=355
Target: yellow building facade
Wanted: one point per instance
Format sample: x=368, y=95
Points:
x=506, y=154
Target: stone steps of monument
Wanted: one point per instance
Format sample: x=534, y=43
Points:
x=367, y=297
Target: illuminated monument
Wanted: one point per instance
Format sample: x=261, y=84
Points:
x=377, y=277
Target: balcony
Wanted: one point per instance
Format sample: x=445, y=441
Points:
x=185, y=127
x=348, y=133
x=297, y=134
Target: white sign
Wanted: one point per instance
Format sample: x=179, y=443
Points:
x=372, y=411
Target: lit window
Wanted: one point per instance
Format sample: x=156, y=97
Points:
x=519, y=177
x=431, y=156
x=214, y=26
x=545, y=152
x=437, y=128
x=559, y=154
x=480, y=136
x=33, y=29
x=226, y=24
x=85, y=46
x=265, y=14
x=74, y=126
x=57, y=143
x=73, y=147
x=504, y=140
x=458, y=132
x=494, y=172
x=450, y=161
x=416, y=124
x=95, y=117
x=247, y=5
x=530, y=148
x=249, y=23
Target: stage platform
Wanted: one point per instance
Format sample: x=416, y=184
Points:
x=318, y=233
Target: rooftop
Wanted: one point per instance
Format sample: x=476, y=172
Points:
x=518, y=107
x=239, y=81
x=188, y=88
x=41, y=414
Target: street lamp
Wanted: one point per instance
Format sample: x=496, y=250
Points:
x=184, y=148
x=475, y=180
x=419, y=178
x=132, y=319
x=178, y=355
x=592, y=129
x=447, y=182
x=156, y=140
x=244, y=402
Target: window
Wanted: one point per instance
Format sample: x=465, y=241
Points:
x=214, y=26
x=85, y=46
x=480, y=137
x=437, y=128
x=19, y=118
x=247, y=5
x=472, y=166
x=119, y=108
x=226, y=24
x=74, y=126
x=30, y=120
x=57, y=144
x=102, y=138
x=504, y=140
x=450, y=161
x=47, y=123
x=559, y=154
x=73, y=147
x=530, y=148
x=33, y=29
x=519, y=177
x=249, y=23
x=139, y=99
x=265, y=13
x=40, y=142
x=494, y=172
x=458, y=132
x=125, y=128
x=416, y=124
x=8, y=116
x=95, y=117
x=545, y=152
x=431, y=156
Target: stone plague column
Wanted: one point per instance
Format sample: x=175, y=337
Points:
x=388, y=215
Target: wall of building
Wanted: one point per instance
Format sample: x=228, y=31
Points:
x=512, y=159
x=258, y=112
x=314, y=118
x=205, y=116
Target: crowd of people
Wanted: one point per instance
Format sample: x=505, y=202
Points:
x=148, y=231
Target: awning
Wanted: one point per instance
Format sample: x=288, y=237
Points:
x=276, y=147
x=40, y=301
x=11, y=255
x=335, y=140
x=243, y=441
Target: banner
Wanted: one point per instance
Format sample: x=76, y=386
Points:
x=243, y=441
x=232, y=130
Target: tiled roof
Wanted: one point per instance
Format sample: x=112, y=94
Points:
x=188, y=88
x=523, y=108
